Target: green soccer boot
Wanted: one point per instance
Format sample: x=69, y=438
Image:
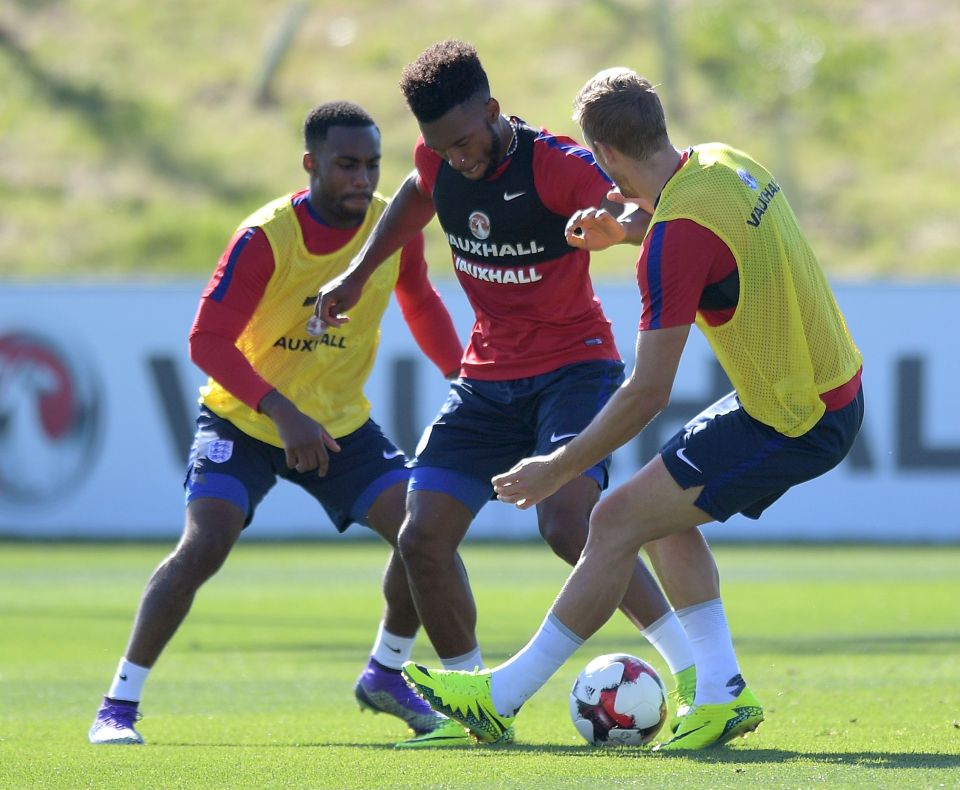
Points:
x=464, y=697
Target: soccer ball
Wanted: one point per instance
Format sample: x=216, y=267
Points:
x=618, y=700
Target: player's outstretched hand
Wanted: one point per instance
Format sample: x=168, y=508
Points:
x=333, y=301
x=594, y=229
x=530, y=481
x=305, y=441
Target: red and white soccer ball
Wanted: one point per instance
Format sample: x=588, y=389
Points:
x=618, y=700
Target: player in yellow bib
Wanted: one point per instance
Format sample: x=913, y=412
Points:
x=281, y=403
x=723, y=250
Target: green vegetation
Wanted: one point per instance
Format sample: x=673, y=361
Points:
x=132, y=139
x=851, y=649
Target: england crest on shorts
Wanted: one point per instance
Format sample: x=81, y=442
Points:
x=220, y=450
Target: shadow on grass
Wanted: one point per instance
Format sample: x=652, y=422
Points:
x=730, y=757
x=861, y=759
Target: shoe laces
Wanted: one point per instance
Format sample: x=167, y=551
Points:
x=120, y=716
x=397, y=686
x=392, y=684
x=468, y=684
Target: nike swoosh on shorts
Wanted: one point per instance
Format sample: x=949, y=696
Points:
x=682, y=455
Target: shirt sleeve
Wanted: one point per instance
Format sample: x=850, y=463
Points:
x=424, y=311
x=226, y=307
x=428, y=165
x=567, y=176
x=678, y=259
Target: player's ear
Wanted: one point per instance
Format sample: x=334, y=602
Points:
x=492, y=109
x=308, y=161
x=606, y=152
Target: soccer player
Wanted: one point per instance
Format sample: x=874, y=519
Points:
x=282, y=404
x=723, y=250
x=541, y=359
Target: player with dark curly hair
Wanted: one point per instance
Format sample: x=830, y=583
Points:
x=447, y=74
x=541, y=359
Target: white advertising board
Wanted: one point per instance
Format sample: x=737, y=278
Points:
x=98, y=397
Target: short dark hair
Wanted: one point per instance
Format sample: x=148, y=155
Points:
x=332, y=113
x=445, y=75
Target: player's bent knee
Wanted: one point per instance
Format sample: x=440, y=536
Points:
x=198, y=561
x=566, y=537
x=421, y=545
x=213, y=527
x=609, y=514
x=387, y=512
x=616, y=527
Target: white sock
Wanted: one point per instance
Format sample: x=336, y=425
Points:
x=392, y=650
x=669, y=639
x=128, y=682
x=712, y=645
x=514, y=682
x=465, y=663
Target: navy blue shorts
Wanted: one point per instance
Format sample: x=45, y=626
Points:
x=744, y=465
x=225, y=463
x=485, y=427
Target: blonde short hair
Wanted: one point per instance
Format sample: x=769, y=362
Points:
x=620, y=108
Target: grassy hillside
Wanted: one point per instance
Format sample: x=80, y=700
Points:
x=135, y=135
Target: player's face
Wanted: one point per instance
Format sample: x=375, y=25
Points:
x=468, y=138
x=344, y=173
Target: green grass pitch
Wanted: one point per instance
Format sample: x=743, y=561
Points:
x=853, y=650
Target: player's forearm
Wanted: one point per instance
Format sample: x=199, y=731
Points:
x=274, y=403
x=627, y=413
x=641, y=398
x=406, y=215
x=634, y=221
x=219, y=358
x=433, y=329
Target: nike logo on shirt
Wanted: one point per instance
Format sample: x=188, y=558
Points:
x=508, y=196
x=556, y=437
x=388, y=454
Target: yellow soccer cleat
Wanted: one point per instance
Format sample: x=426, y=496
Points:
x=464, y=697
x=713, y=725
x=681, y=695
x=447, y=733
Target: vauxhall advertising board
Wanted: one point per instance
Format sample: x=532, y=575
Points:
x=98, y=398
